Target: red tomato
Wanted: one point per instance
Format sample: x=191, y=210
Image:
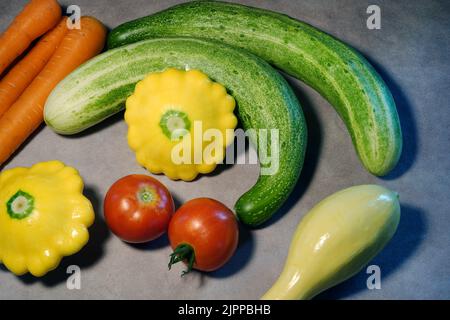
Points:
x=138, y=208
x=204, y=233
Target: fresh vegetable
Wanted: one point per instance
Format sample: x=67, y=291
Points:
x=43, y=217
x=338, y=72
x=24, y=72
x=26, y=114
x=138, y=208
x=172, y=110
x=98, y=89
x=203, y=233
x=34, y=20
x=336, y=239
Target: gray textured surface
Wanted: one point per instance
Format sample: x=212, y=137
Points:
x=411, y=51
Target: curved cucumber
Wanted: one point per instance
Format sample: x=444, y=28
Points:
x=338, y=72
x=100, y=87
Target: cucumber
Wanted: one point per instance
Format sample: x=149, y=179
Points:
x=338, y=72
x=99, y=88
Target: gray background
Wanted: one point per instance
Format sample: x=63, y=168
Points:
x=411, y=52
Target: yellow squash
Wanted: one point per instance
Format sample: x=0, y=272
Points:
x=336, y=239
x=180, y=123
x=43, y=217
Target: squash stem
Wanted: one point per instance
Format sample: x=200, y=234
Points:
x=175, y=124
x=20, y=205
x=183, y=252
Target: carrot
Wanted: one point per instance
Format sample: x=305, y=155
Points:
x=21, y=75
x=26, y=114
x=34, y=20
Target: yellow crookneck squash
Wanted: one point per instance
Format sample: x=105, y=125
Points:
x=180, y=123
x=335, y=240
x=43, y=217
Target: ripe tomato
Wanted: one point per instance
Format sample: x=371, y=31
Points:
x=204, y=233
x=138, y=208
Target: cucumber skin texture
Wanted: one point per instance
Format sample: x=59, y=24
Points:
x=99, y=88
x=338, y=72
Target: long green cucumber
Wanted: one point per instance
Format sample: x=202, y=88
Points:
x=100, y=87
x=338, y=72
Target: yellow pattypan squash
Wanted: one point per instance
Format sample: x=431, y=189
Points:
x=43, y=217
x=180, y=123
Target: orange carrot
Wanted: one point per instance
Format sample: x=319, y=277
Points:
x=26, y=114
x=21, y=75
x=34, y=20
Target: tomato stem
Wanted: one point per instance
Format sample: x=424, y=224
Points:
x=183, y=252
x=147, y=195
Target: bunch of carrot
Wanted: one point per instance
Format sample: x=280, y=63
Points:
x=25, y=88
